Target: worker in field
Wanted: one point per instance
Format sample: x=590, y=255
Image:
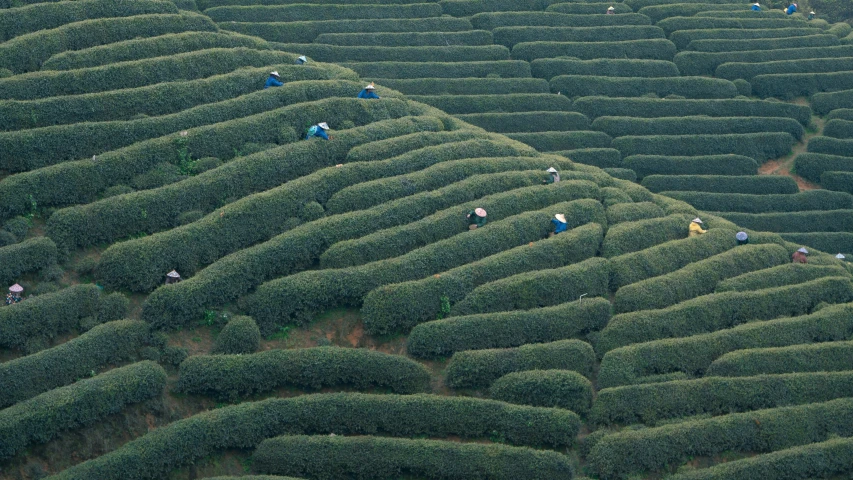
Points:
x=756, y=7
x=811, y=15
x=368, y=92
x=318, y=130
x=611, y=11
x=274, y=80
x=560, y=224
x=476, y=218
x=840, y=257
x=173, y=277
x=742, y=238
x=800, y=255
x=695, y=228
x=553, y=176
x=792, y=9
x=301, y=60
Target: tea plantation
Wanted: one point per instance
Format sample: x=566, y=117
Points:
x=197, y=290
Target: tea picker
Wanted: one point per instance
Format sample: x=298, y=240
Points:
x=800, y=256
x=318, y=130
x=560, y=224
x=553, y=176
x=368, y=92
x=301, y=60
x=696, y=228
x=742, y=238
x=273, y=81
x=476, y=218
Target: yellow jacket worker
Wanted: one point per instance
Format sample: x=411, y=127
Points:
x=696, y=228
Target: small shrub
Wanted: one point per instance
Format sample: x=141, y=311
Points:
x=240, y=335
x=545, y=388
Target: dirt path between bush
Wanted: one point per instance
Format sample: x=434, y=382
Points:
x=784, y=165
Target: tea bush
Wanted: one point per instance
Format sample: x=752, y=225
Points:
x=803, y=221
x=812, y=165
x=705, y=63
x=599, y=157
x=725, y=45
x=509, y=36
x=800, y=84
x=650, y=49
x=406, y=39
x=826, y=241
x=747, y=71
x=588, y=8
x=760, y=146
x=501, y=68
x=839, y=181
x=549, y=68
x=646, y=165
x=545, y=388
x=696, y=125
x=819, y=357
x=314, y=12
x=782, y=275
x=640, y=235
x=528, y=121
x=837, y=128
x=557, y=141
x=335, y=53
x=755, y=185
x=823, y=103
x=27, y=256
x=307, y=31
x=594, y=107
x=674, y=23
x=491, y=21
x=659, y=12
x=465, y=86
x=682, y=38
x=239, y=336
x=514, y=102
x=768, y=203
x=633, y=212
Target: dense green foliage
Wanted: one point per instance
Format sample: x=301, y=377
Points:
x=705, y=63
x=813, y=65
x=646, y=165
x=693, y=125
x=755, y=185
x=649, y=49
x=676, y=9
x=838, y=128
x=760, y=146
x=826, y=241
x=509, y=36
x=839, y=181
x=599, y=157
x=650, y=403
x=682, y=38
x=555, y=141
x=823, y=103
x=790, y=85
x=100, y=347
x=545, y=388
x=740, y=45
x=694, y=23
x=24, y=257
x=307, y=31
x=48, y=315
x=239, y=336
x=517, y=102
x=295, y=13
x=634, y=236
x=693, y=355
x=336, y=53
x=632, y=212
x=549, y=68
x=404, y=69
x=247, y=424
x=233, y=376
x=41, y=418
x=508, y=329
x=818, y=357
x=528, y=122
x=812, y=165
x=794, y=222
x=465, y=86
x=378, y=457
x=779, y=276
x=767, y=203
x=491, y=21
x=687, y=87
x=407, y=39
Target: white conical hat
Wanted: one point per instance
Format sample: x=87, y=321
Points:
x=303, y=58
x=803, y=250
x=274, y=73
x=323, y=125
x=611, y=8
x=560, y=217
x=370, y=87
x=173, y=274
x=696, y=220
x=741, y=236
x=756, y=4
x=552, y=170
x=16, y=288
x=840, y=256
x=480, y=212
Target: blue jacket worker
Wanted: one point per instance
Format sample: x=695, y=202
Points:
x=301, y=60
x=791, y=9
x=560, y=224
x=756, y=7
x=368, y=92
x=742, y=238
x=318, y=130
x=273, y=81
x=811, y=15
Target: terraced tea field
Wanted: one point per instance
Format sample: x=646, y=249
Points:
x=337, y=317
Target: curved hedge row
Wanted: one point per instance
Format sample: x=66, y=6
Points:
x=757, y=185
x=659, y=12
x=43, y=16
x=726, y=45
x=617, y=455
x=545, y=388
x=823, y=103
x=682, y=38
x=812, y=165
x=528, y=121
x=767, y=203
x=360, y=196
x=837, y=128
x=389, y=243
x=234, y=376
x=672, y=24
x=638, y=4
x=822, y=459
x=27, y=256
x=407, y=39
x=104, y=345
x=247, y=424
x=839, y=181
x=139, y=73
x=588, y=8
x=557, y=141
x=646, y=165
x=41, y=418
x=747, y=71
x=745, y=14
x=698, y=278
x=27, y=52
x=401, y=306
x=819, y=357
x=705, y=63
x=695, y=125
x=760, y=146
x=501, y=68
x=491, y=21
x=668, y=257
x=465, y=86
x=649, y=49
x=594, y=107
x=153, y=100
x=377, y=457
x=517, y=102
x=831, y=146
x=688, y=87
x=651, y=403
x=794, y=222
x=549, y=68
x=693, y=355
x=159, y=46
x=508, y=329
x=479, y=368
x=536, y=289
x=642, y=234
x=297, y=101
x=790, y=85
x=307, y=31
x=435, y=53
x=295, y=13
x=226, y=279
x=782, y=275
x=156, y=209
x=633, y=212
x=826, y=241
x=509, y=36
x=598, y=157
x=723, y=310
x=300, y=296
